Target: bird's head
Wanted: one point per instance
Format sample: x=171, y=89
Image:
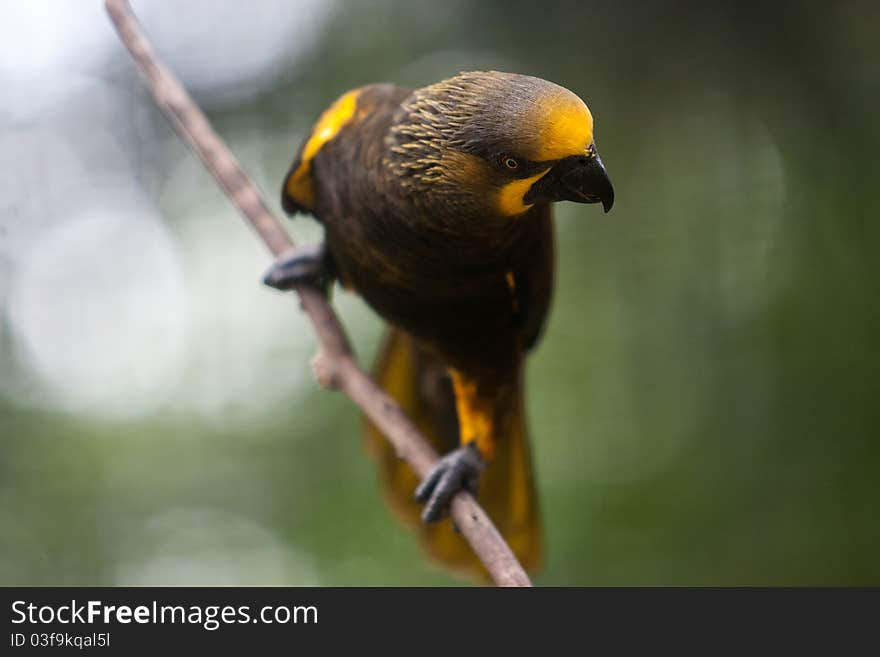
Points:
x=498, y=143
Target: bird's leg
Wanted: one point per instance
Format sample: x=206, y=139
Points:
x=305, y=265
x=459, y=470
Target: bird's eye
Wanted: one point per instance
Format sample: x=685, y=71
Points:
x=509, y=162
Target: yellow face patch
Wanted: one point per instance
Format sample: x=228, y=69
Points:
x=510, y=197
x=565, y=127
x=299, y=185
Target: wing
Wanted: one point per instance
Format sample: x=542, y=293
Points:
x=349, y=111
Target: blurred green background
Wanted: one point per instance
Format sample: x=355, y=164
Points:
x=704, y=404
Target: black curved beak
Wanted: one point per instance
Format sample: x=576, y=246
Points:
x=579, y=178
x=587, y=182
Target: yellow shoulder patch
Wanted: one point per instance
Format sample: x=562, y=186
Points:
x=299, y=182
x=510, y=197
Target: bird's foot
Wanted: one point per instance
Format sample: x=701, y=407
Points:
x=304, y=265
x=459, y=470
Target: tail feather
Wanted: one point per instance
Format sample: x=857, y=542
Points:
x=420, y=385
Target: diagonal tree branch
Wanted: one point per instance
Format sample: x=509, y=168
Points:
x=335, y=366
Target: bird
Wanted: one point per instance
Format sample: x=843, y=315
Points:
x=436, y=205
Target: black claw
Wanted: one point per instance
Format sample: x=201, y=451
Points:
x=472, y=483
x=458, y=470
x=423, y=491
x=304, y=265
